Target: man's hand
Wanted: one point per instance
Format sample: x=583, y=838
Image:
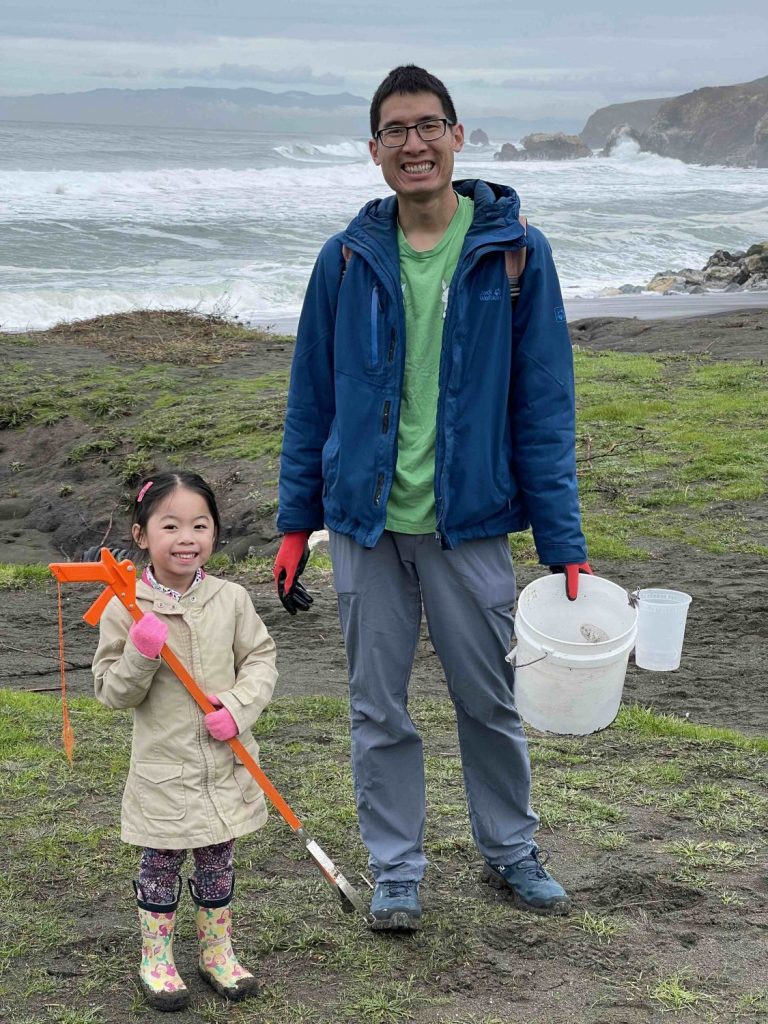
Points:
x=289, y=565
x=572, y=577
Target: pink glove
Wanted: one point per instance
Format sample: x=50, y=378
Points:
x=148, y=635
x=220, y=724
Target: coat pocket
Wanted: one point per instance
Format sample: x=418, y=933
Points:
x=160, y=786
x=248, y=786
x=246, y=783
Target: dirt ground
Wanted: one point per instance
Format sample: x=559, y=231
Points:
x=722, y=682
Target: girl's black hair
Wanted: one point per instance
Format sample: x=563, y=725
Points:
x=159, y=485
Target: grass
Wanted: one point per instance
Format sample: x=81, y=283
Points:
x=673, y=992
x=59, y=854
x=657, y=433
x=13, y=577
x=182, y=409
x=658, y=459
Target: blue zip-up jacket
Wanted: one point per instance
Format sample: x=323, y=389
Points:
x=505, y=443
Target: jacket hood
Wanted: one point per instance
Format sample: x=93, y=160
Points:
x=495, y=221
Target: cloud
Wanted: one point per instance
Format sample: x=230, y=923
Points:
x=605, y=80
x=299, y=75
x=128, y=73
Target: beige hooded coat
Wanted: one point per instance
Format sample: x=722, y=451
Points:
x=186, y=789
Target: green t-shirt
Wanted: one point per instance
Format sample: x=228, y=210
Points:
x=425, y=278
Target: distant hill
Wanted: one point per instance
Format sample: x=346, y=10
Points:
x=193, y=107
x=718, y=125
x=236, y=109
x=637, y=115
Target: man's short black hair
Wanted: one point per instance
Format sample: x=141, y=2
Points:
x=410, y=79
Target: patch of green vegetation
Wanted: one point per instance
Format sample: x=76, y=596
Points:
x=657, y=455
x=96, y=446
x=753, y=1003
x=712, y=855
x=600, y=927
x=163, y=409
x=674, y=991
x=14, y=577
x=644, y=721
x=658, y=432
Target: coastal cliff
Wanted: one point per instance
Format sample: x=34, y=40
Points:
x=637, y=115
x=718, y=125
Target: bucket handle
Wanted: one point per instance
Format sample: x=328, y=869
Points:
x=595, y=659
x=512, y=659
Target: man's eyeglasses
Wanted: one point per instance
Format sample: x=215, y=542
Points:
x=428, y=131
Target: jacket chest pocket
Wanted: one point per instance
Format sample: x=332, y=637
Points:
x=160, y=785
x=376, y=317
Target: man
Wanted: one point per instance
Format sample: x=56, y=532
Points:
x=426, y=420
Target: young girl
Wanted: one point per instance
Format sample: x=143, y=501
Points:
x=185, y=788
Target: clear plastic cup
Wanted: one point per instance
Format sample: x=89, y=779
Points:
x=661, y=616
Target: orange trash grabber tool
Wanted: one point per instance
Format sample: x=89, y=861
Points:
x=120, y=582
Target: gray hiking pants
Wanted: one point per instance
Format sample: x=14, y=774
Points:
x=467, y=594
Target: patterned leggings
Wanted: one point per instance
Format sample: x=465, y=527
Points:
x=212, y=878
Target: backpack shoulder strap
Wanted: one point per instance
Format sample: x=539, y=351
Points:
x=515, y=264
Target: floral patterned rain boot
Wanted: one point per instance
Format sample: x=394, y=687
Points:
x=160, y=981
x=218, y=964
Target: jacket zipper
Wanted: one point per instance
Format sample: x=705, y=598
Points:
x=385, y=417
x=379, y=489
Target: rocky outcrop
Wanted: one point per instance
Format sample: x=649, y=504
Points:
x=723, y=271
x=720, y=125
x=545, y=146
x=555, y=146
x=617, y=136
x=509, y=152
x=479, y=138
x=637, y=115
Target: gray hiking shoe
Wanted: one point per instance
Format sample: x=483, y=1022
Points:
x=395, y=907
x=531, y=884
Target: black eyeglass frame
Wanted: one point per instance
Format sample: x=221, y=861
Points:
x=445, y=121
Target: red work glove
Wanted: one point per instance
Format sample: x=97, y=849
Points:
x=148, y=635
x=289, y=565
x=572, y=577
x=220, y=724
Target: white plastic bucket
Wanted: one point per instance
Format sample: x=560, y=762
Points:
x=571, y=656
x=660, y=629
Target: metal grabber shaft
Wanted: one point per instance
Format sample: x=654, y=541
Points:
x=119, y=579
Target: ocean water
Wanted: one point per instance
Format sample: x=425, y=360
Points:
x=99, y=219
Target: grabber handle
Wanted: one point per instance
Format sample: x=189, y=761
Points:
x=119, y=578
x=98, y=607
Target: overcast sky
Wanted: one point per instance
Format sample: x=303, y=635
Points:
x=552, y=58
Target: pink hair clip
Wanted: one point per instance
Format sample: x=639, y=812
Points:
x=144, y=490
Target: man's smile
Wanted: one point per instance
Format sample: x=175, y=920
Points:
x=421, y=168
